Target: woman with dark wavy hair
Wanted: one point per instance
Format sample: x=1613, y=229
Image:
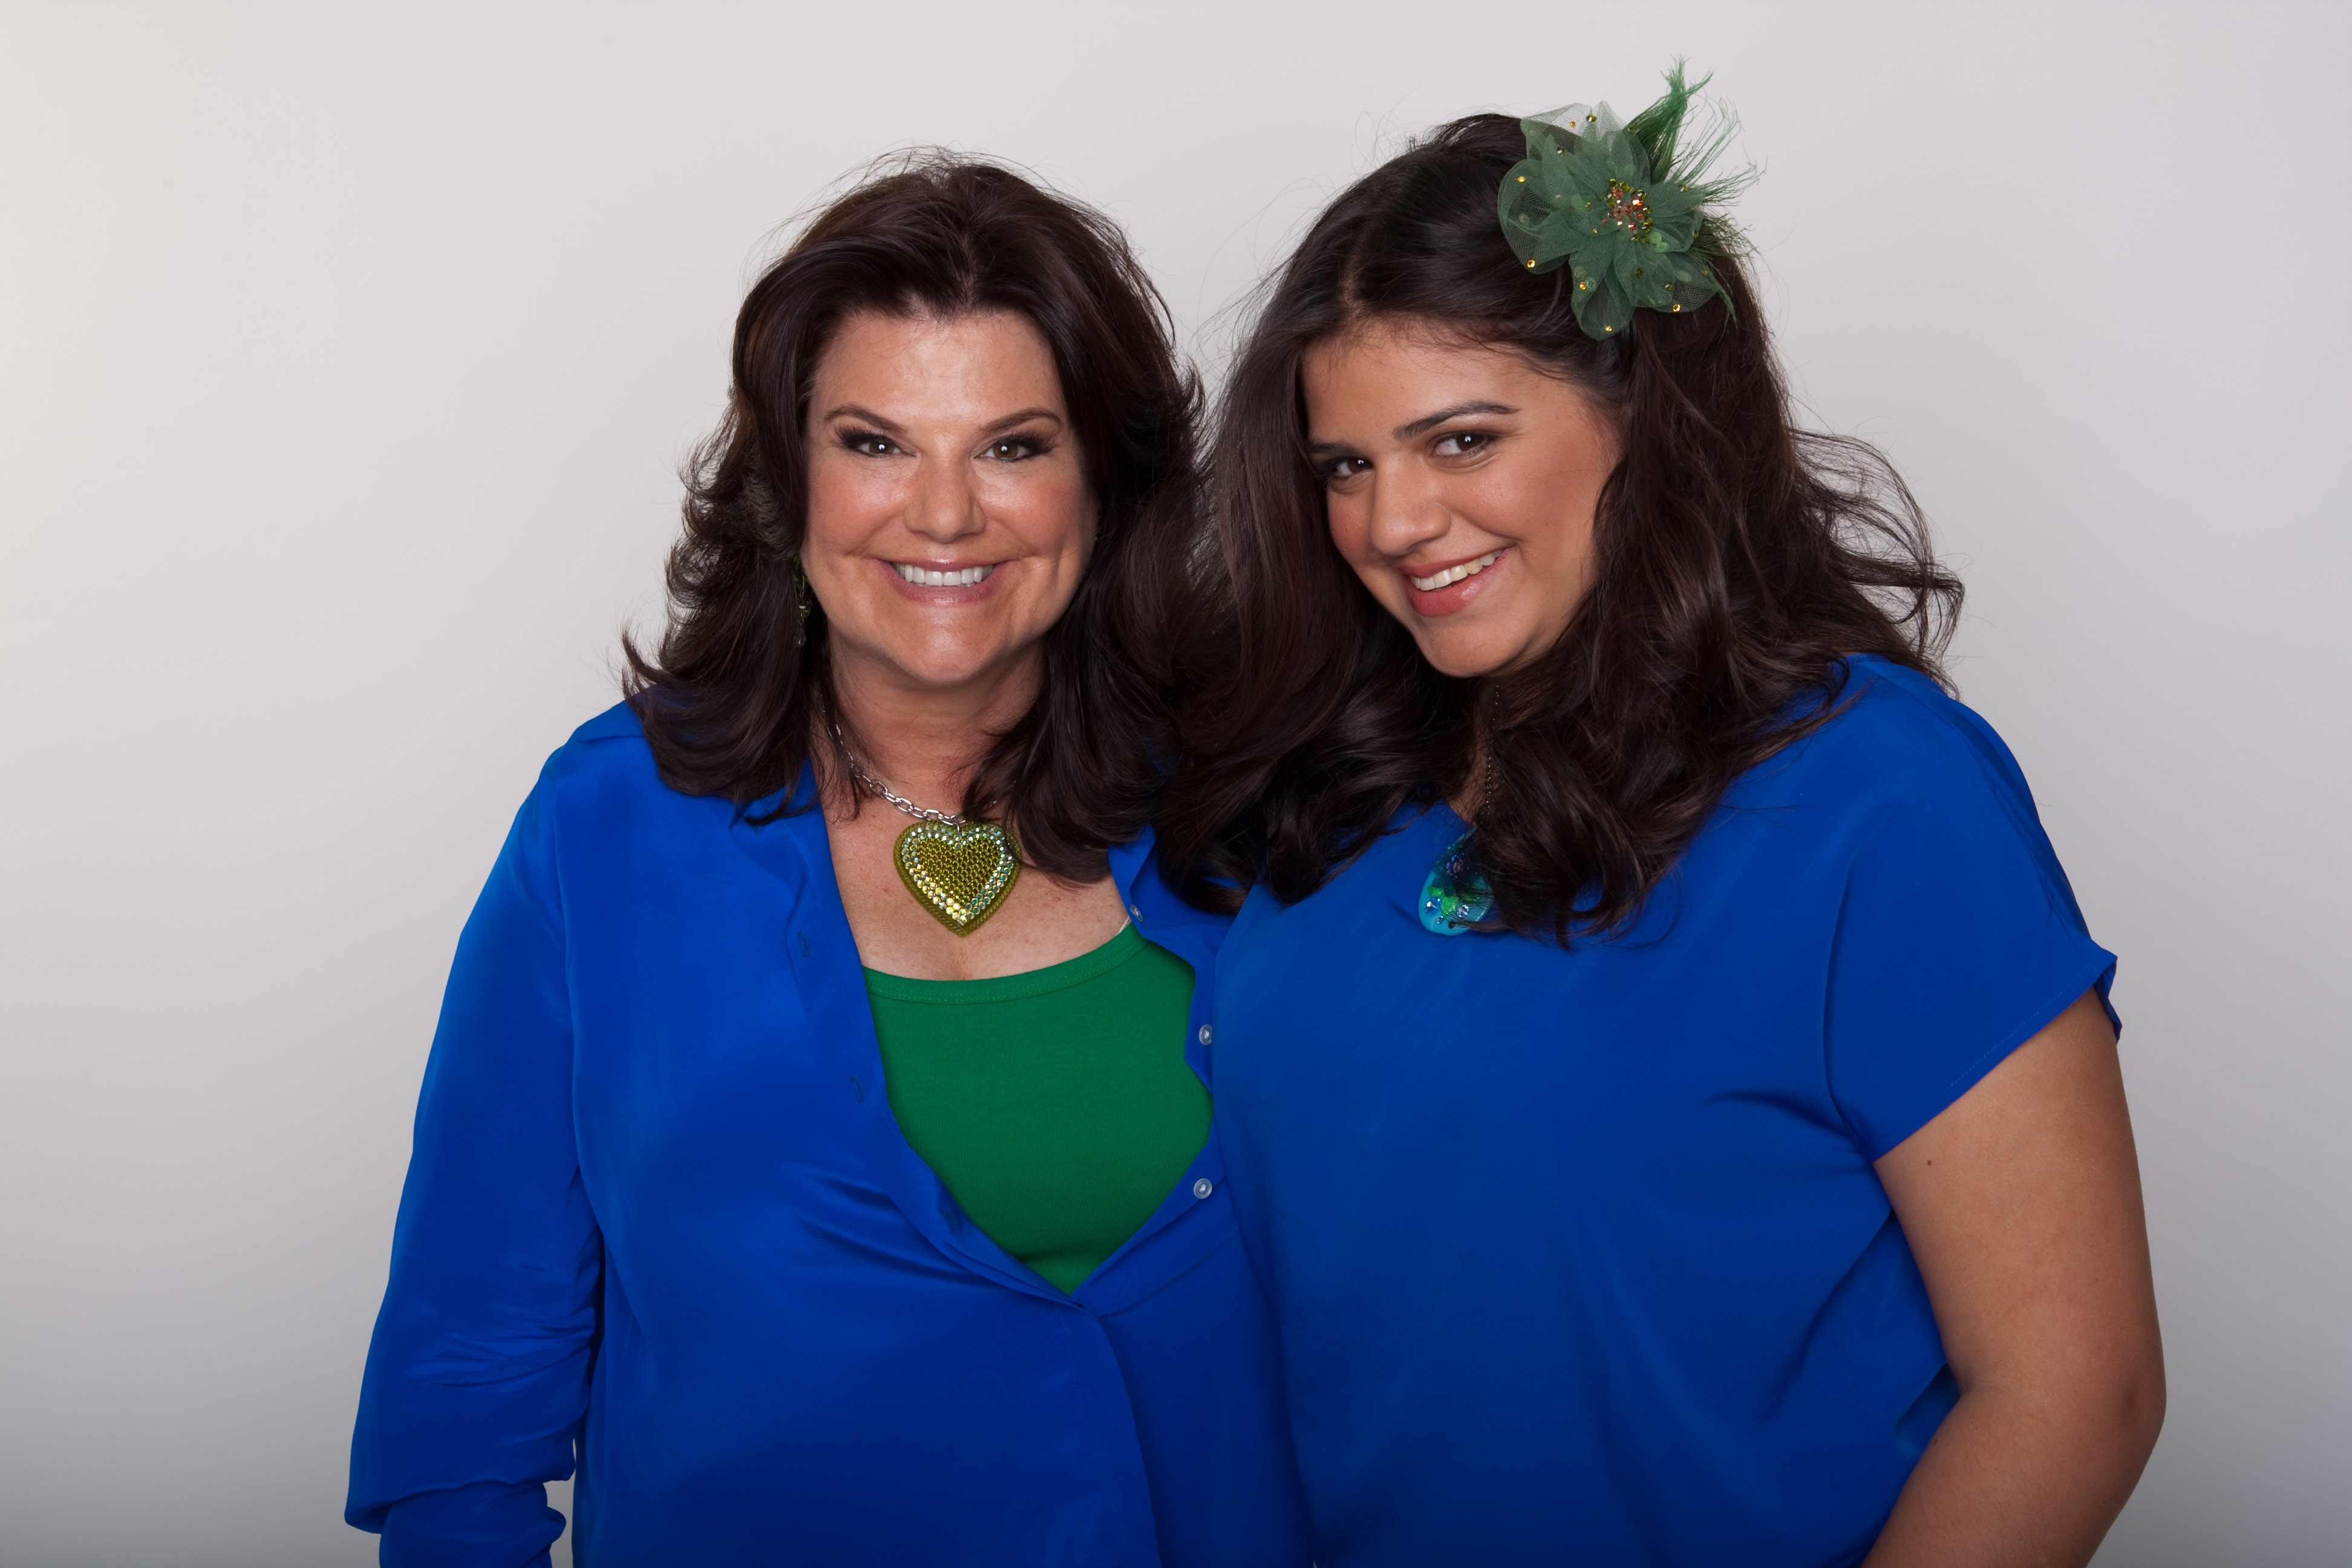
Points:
x=817, y=1144
x=1667, y=1081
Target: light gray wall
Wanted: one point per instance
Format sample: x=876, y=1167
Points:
x=347, y=354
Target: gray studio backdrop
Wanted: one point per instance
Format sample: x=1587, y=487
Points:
x=347, y=354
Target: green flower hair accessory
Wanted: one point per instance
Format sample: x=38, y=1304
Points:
x=1624, y=207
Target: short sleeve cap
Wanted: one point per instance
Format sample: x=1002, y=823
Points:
x=1957, y=938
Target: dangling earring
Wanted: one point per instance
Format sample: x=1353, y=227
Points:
x=801, y=597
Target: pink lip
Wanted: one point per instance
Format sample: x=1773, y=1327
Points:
x=1453, y=597
x=924, y=594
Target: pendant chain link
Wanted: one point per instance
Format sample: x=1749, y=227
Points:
x=902, y=801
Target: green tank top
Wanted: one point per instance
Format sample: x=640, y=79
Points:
x=1056, y=1105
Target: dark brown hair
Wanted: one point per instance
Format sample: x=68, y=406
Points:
x=740, y=683
x=1737, y=560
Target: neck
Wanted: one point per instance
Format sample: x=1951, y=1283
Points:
x=923, y=741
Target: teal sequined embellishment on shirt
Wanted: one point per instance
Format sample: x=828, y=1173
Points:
x=1455, y=897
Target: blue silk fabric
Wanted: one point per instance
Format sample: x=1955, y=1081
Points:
x=1579, y=1255
x=658, y=1210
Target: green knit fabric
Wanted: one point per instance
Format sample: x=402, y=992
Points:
x=1056, y=1105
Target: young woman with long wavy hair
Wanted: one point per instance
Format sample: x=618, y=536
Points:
x=1668, y=1085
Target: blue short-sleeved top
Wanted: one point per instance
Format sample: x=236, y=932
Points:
x=659, y=1214
x=1578, y=1255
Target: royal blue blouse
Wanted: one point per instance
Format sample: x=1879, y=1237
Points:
x=1579, y=1255
x=660, y=1216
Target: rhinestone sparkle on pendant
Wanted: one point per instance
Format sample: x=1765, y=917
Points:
x=1455, y=898
x=960, y=871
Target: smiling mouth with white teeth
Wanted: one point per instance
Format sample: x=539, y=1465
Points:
x=924, y=577
x=1453, y=573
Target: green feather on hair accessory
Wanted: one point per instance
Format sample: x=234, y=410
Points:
x=1624, y=205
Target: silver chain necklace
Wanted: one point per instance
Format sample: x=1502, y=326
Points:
x=874, y=786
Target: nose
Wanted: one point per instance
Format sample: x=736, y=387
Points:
x=944, y=505
x=1405, y=515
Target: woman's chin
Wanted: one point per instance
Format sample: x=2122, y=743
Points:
x=956, y=669
x=1466, y=658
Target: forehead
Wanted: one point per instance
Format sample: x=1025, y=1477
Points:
x=1380, y=366
x=993, y=355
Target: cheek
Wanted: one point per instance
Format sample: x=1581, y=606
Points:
x=1548, y=511
x=1352, y=536
x=1052, y=513
x=1557, y=556
x=1349, y=520
x=1560, y=553
x=842, y=505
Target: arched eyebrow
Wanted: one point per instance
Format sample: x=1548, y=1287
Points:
x=1429, y=422
x=857, y=410
x=1010, y=420
x=890, y=426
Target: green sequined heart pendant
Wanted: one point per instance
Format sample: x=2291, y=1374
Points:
x=960, y=874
